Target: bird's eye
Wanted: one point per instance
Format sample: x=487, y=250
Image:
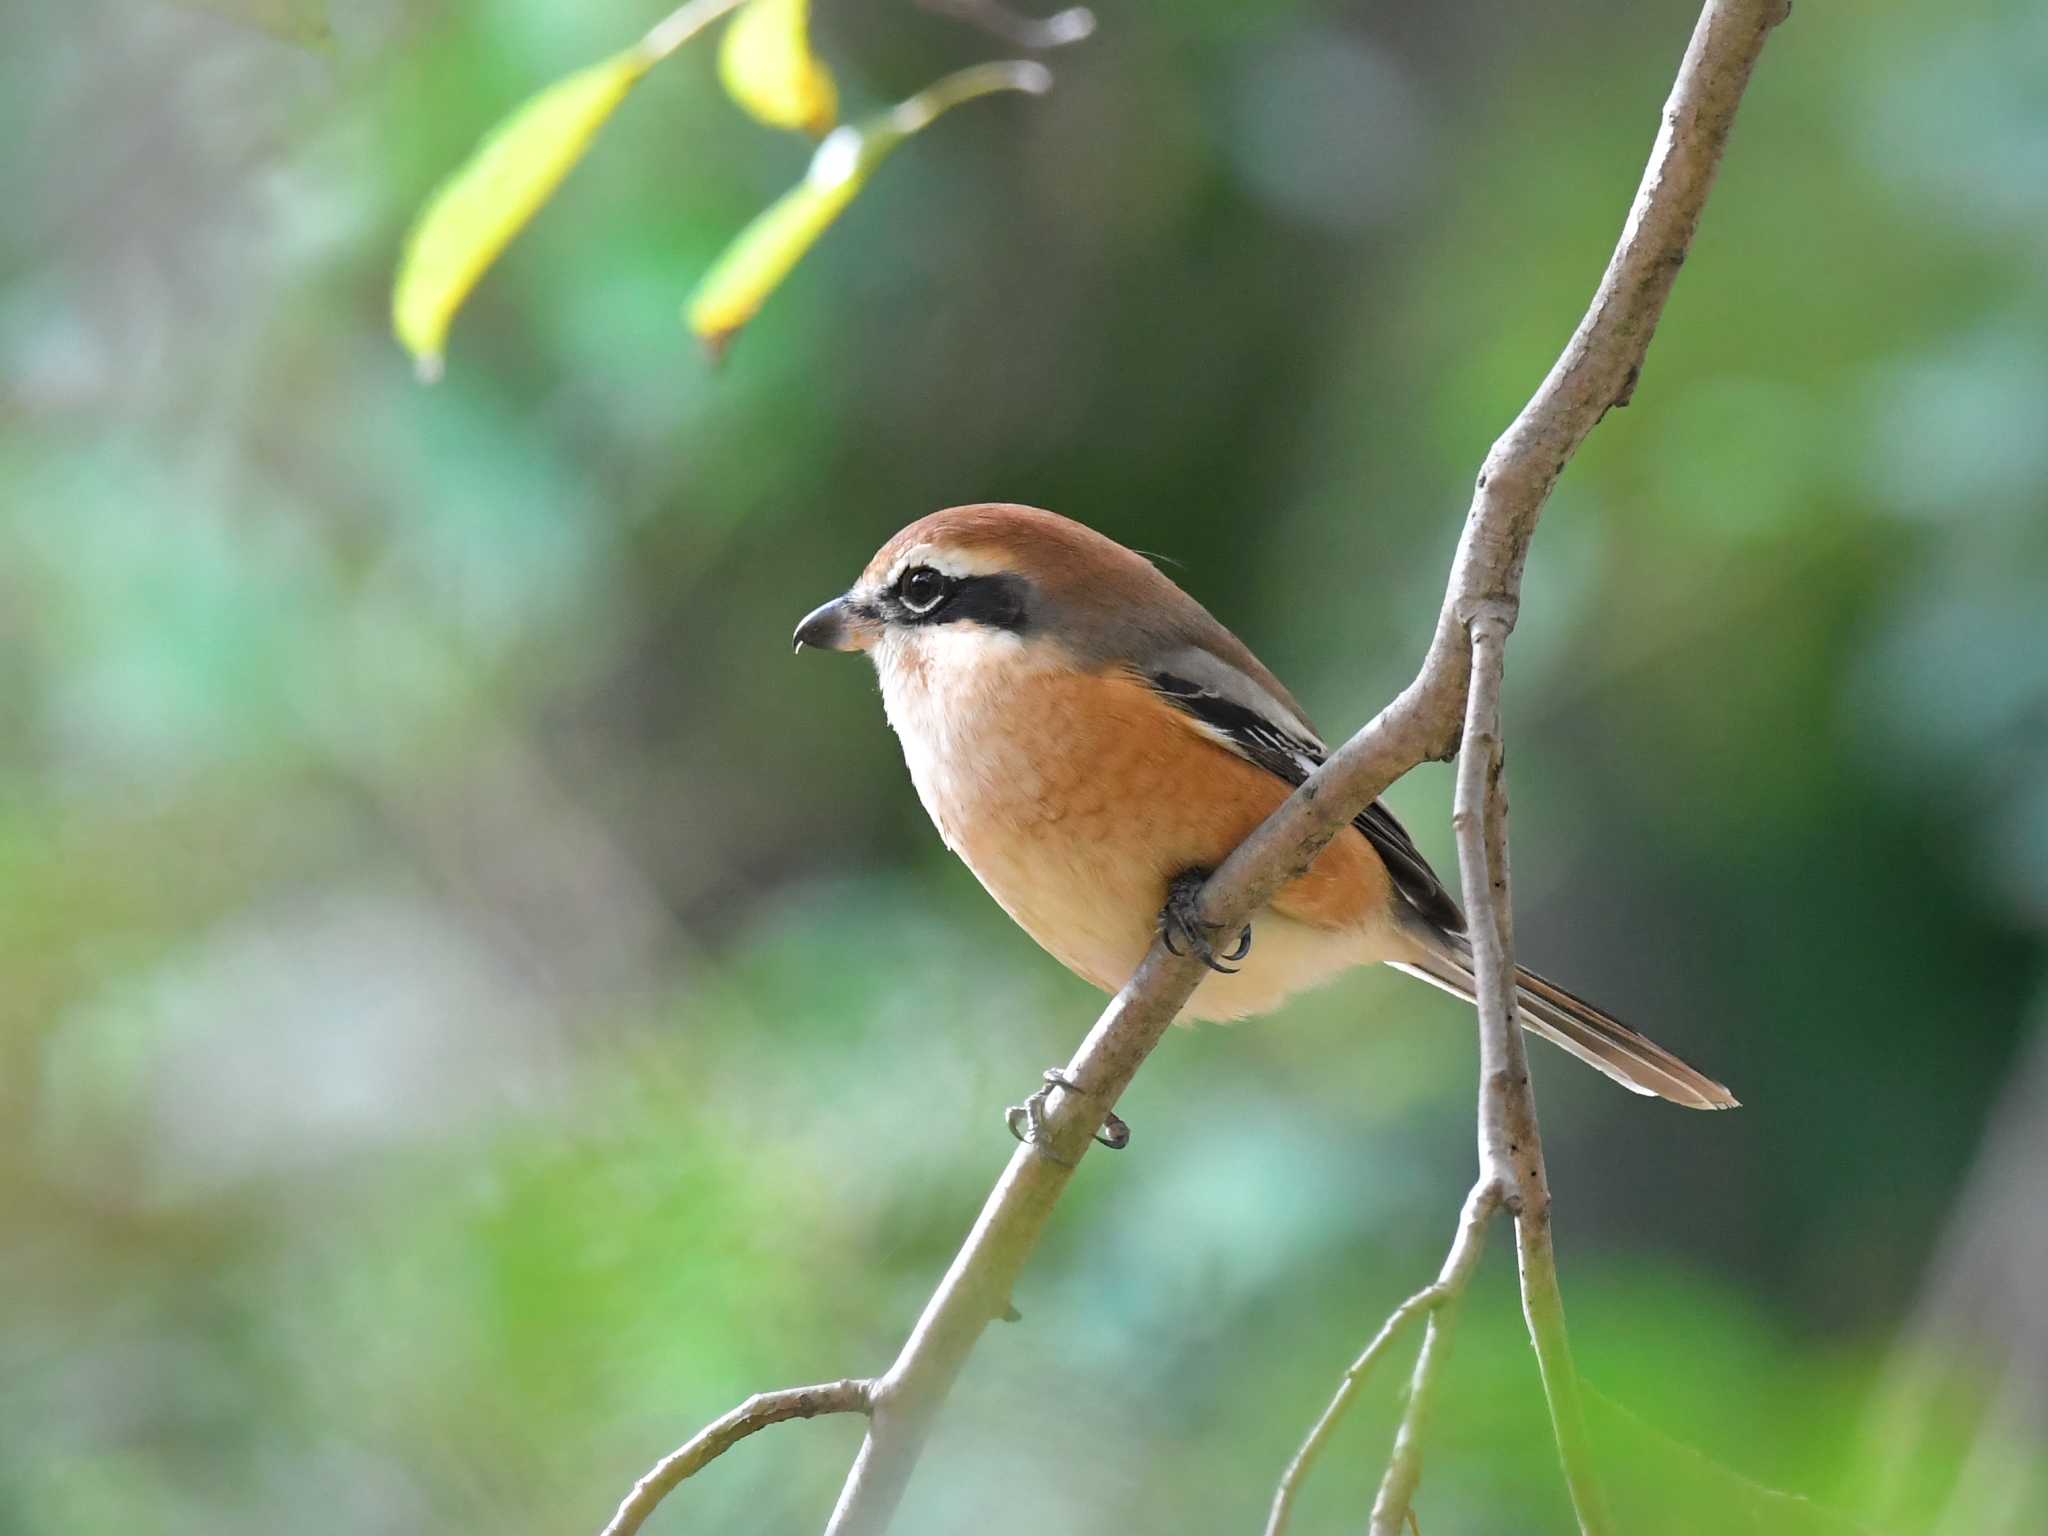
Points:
x=921, y=589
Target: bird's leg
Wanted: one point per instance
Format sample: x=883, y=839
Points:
x=1180, y=923
x=1027, y=1120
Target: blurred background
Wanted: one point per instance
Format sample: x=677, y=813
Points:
x=473, y=1007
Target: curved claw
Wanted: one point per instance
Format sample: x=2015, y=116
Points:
x=1027, y=1120
x=1180, y=921
x=1114, y=1134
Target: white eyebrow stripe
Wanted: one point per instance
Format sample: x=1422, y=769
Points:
x=947, y=562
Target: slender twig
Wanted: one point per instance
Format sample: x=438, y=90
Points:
x=721, y=1435
x=1437, y=1300
x=1511, y=1143
x=1506, y=1115
x=682, y=24
x=1510, y=1146
x=1598, y=370
x=1393, y=1508
x=997, y=19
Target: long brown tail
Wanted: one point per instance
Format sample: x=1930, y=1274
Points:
x=1599, y=1039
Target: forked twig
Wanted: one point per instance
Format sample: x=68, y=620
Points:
x=1433, y=1301
x=1597, y=371
x=721, y=1435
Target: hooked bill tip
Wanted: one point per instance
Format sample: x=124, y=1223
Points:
x=823, y=627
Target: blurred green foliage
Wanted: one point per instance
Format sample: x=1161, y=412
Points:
x=475, y=1008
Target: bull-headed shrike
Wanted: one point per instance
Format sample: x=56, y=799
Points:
x=1093, y=743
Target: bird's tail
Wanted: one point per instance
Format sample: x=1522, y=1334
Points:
x=1599, y=1039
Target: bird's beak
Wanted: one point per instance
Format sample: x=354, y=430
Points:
x=840, y=625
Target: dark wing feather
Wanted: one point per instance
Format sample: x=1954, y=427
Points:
x=1289, y=756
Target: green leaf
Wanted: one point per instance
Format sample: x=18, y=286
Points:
x=768, y=249
x=766, y=63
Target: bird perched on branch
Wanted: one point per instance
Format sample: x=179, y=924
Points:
x=1093, y=743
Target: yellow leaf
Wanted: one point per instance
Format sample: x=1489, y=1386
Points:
x=476, y=212
x=767, y=65
x=755, y=264
x=767, y=250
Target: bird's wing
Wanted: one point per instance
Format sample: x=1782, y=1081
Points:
x=1237, y=712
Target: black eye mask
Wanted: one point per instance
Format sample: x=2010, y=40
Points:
x=925, y=596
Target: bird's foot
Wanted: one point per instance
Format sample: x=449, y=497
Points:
x=1027, y=1120
x=1180, y=923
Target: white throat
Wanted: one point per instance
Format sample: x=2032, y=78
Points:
x=949, y=693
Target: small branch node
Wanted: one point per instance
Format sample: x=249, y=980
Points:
x=1494, y=614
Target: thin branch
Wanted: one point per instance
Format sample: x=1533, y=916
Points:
x=1543, y=1310
x=998, y=20
x=1511, y=1145
x=1391, y=1509
x=1598, y=370
x=1438, y=1300
x=682, y=24
x=1508, y=1146
x=1506, y=1114
x=1509, y=1151
x=1517, y=478
x=721, y=1435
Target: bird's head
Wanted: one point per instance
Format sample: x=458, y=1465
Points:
x=995, y=580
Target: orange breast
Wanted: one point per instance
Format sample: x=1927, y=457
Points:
x=1098, y=780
